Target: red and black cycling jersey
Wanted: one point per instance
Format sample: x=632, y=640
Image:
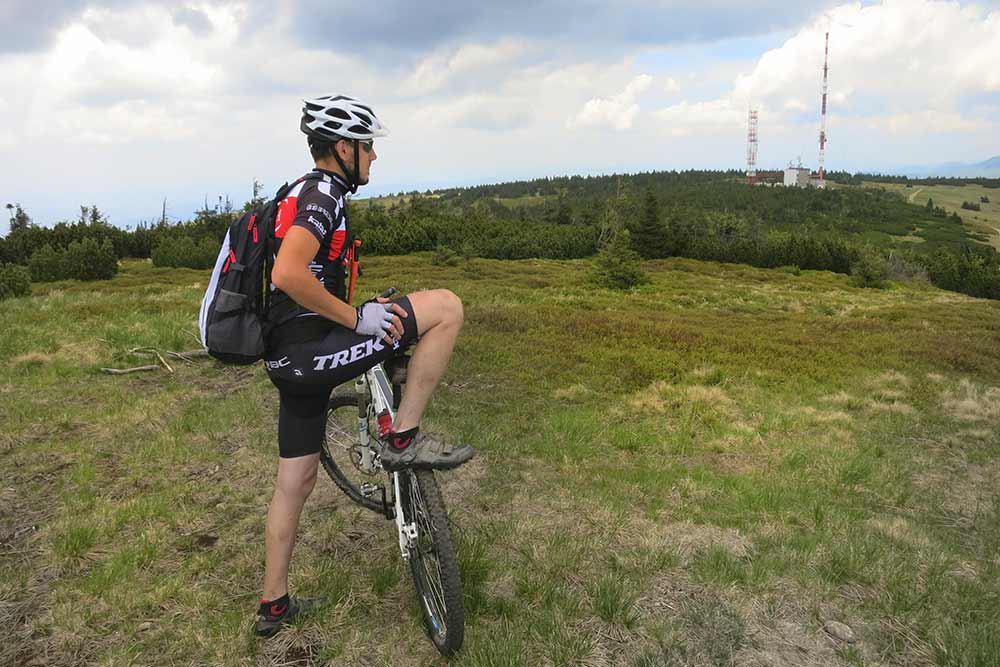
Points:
x=319, y=206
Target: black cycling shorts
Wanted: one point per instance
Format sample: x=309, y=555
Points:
x=307, y=359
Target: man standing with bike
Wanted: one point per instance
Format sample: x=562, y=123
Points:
x=319, y=341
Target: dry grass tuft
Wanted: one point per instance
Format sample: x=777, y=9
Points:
x=901, y=530
x=36, y=358
x=662, y=396
x=574, y=392
x=971, y=402
x=896, y=408
x=823, y=416
x=687, y=538
x=843, y=399
x=890, y=378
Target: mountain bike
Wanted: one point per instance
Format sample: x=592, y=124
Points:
x=412, y=498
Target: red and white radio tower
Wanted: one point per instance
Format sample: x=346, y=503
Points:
x=752, y=147
x=822, y=122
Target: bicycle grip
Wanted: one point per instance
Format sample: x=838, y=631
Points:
x=389, y=292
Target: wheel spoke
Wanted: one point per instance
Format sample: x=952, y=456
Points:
x=425, y=551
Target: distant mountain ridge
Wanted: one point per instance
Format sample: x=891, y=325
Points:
x=989, y=168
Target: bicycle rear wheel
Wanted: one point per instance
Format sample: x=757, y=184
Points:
x=433, y=561
x=341, y=454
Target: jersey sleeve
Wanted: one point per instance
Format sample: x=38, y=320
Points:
x=314, y=214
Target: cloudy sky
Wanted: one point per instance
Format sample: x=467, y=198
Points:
x=126, y=102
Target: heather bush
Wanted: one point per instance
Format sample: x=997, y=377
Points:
x=14, y=281
x=47, y=264
x=89, y=259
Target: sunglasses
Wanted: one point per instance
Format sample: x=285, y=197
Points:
x=367, y=146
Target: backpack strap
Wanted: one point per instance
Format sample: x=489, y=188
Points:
x=279, y=196
x=284, y=189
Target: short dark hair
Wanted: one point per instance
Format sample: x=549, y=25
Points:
x=321, y=148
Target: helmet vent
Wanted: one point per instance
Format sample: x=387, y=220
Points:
x=339, y=113
x=357, y=128
x=363, y=118
x=333, y=125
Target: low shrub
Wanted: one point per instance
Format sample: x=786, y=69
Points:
x=444, y=256
x=870, y=270
x=185, y=252
x=89, y=260
x=15, y=281
x=904, y=268
x=47, y=264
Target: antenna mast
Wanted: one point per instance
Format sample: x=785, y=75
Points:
x=822, y=122
x=752, y=147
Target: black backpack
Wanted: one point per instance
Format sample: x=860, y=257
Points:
x=233, y=319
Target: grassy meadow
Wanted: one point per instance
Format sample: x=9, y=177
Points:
x=950, y=198
x=710, y=470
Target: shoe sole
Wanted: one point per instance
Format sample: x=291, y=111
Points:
x=424, y=466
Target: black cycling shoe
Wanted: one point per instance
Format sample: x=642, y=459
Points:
x=425, y=453
x=269, y=623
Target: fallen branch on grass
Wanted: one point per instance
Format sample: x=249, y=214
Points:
x=123, y=371
x=186, y=356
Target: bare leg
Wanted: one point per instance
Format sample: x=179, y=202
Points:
x=439, y=319
x=296, y=479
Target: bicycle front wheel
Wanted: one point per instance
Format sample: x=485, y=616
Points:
x=433, y=561
x=342, y=452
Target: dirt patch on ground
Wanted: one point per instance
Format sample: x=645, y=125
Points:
x=687, y=538
x=705, y=626
x=901, y=530
x=966, y=490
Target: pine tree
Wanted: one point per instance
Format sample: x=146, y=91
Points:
x=617, y=265
x=648, y=237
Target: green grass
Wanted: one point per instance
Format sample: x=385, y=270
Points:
x=702, y=471
x=950, y=197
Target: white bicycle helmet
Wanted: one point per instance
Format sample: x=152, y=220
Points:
x=335, y=117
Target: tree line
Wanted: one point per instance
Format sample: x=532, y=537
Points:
x=696, y=214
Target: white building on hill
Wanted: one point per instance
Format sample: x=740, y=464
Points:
x=797, y=177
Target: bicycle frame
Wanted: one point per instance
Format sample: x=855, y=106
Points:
x=375, y=384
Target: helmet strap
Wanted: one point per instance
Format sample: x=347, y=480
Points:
x=357, y=168
x=352, y=179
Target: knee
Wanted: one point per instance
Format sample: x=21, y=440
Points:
x=298, y=486
x=451, y=305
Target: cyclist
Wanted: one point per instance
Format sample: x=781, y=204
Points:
x=319, y=341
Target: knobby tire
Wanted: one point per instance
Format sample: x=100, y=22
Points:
x=434, y=554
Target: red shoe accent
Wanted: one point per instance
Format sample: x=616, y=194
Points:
x=398, y=443
x=278, y=609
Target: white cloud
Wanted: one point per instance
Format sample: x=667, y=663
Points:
x=899, y=57
x=437, y=70
x=205, y=103
x=617, y=112
x=687, y=118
